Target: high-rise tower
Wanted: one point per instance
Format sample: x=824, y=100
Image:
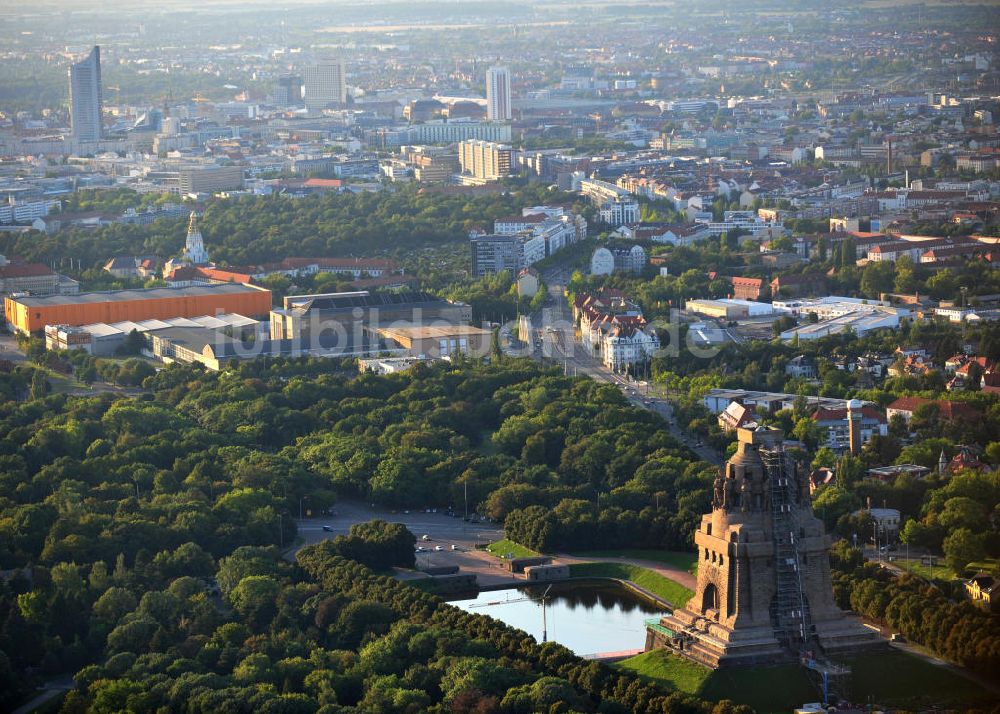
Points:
x=325, y=84
x=85, y=97
x=854, y=417
x=764, y=589
x=288, y=91
x=498, y=94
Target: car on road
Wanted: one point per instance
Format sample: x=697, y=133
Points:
x=454, y=547
x=439, y=547
x=425, y=537
x=421, y=549
x=328, y=529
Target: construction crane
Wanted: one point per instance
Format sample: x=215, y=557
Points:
x=544, y=600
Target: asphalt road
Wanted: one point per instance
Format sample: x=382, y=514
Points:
x=554, y=341
x=9, y=349
x=49, y=691
x=442, y=529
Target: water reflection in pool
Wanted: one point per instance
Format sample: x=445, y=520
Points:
x=586, y=619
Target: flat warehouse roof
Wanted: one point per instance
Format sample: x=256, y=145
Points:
x=424, y=331
x=229, y=319
x=140, y=294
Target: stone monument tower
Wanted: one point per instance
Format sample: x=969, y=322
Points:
x=764, y=590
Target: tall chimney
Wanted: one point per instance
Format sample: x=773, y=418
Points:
x=854, y=425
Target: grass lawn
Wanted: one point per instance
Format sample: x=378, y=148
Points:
x=655, y=583
x=902, y=680
x=894, y=679
x=672, y=672
x=988, y=566
x=684, y=561
x=61, y=383
x=766, y=689
x=502, y=547
x=428, y=585
x=931, y=572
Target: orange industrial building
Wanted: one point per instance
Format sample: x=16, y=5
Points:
x=32, y=314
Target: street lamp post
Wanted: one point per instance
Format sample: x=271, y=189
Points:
x=301, y=499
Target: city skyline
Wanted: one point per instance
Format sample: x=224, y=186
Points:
x=325, y=320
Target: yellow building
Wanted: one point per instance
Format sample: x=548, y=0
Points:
x=485, y=159
x=716, y=308
x=981, y=589
x=439, y=340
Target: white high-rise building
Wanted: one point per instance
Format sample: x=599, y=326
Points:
x=85, y=97
x=325, y=84
x=498, y=94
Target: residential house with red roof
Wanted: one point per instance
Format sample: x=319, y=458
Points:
x=18, y=276
x=747, y=288
x=838, y=429
x=735, y=416
x=948, y=410
x=813, y=284
x=613, y=329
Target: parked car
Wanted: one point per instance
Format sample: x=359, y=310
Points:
x=328, y=529
x=439, y=547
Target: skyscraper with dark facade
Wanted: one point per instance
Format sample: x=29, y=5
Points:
x=288, y=91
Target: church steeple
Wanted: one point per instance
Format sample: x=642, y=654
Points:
x=194, y=246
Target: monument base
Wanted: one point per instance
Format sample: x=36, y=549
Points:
x=716, y=646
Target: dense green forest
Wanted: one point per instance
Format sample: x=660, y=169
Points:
x=923, y=612
x=119, y=517
x=333, y=636
x=256, y=229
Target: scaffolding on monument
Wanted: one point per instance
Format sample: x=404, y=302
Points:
x=791, y=610
x=829, y=678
